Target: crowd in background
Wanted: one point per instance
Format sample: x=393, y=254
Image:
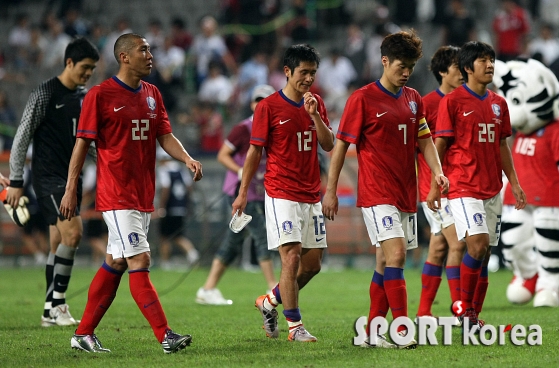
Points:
x=220, y=69
x=214, y=65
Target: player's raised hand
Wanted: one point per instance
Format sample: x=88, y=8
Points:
x=310, y=103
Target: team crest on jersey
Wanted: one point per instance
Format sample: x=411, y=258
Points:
x=151, y=103
x=478, y=219
x=134, y=239
x=287, y=227
x=496, y=109
x=413, y=107
x=387, y=222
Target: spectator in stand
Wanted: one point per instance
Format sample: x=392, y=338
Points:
x=373, y=69
x=210, y=123
x=181, y=37
x=207, y=46
x=459, y=26
x=171, y=60
x=511, y=25
x=355, y=48
x=545, y=47
x=276, y=76
x=74, y=24
x=20, y=34
x=155, y=35
x=216, y=88
x=57, y=41
x=334, y=75
x=108, y=66
x=8, y=123
x=252, y=73
x=36, y=49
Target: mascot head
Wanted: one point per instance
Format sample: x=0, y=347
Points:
x=531, y=90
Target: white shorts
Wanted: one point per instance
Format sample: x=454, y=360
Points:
x=294, y=222
x=440, y=219
x=128, y=231
x=385, y=222
x=476, y=216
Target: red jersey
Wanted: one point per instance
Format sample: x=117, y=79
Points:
x=510, y=29
x=476, y=124
x=385, y=128
x=536, y=157
x=125, y=124
x=288, y=133
x=431, y=104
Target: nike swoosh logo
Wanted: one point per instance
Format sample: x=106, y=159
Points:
x=59, y=106
x=468, y=113
x=283, y=122
x=379, y=115
x=411, y=241
x=147, y=305
x=59, y=284
x=120, y=108
x=319, y=239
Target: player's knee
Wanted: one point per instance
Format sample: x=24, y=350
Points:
x=72, y=237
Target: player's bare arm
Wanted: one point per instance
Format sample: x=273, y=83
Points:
x=324, y=135
x=175, y=149
x=429, y=151
x=510, y=172
x=225, y=157
x=330, y=200
x=252, y=162
x=70, y=199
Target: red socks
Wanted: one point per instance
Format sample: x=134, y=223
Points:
x=430, y=281
x=102, y=291
x=470, y=270
x=147, y=300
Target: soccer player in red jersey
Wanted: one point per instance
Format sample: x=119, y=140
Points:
x=290, y=124
x=386, y=121
x=472, y=126
x=125, y=116
x=443, y=243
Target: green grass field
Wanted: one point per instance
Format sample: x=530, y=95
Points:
x=231, y=336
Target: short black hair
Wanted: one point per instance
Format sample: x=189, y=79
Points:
x=443, y=59
x=469, y=52
x=125, y=43
x=80, y=48
x=402, y=46
x=296, y=54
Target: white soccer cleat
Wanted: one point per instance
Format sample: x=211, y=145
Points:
x=521, y=291
x=61, y=315
x=546, y=298
x=410, y=345
x=47, y=321
x=211, y=297
x=433, y=320
x=382, y=342
x=300, y=334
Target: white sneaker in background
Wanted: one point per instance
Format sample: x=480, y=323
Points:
x=211, y=297
x=61, y=315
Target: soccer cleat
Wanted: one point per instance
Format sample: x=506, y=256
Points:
x=211, y=297
x=269, y=318
x=61, y=315
x=474, y=322
x=47, y=321
x=410, y=345
x=433, y=319
x=521, y=291
x=546, y=298
x=382, y=342
x=457, y=321
x=88, y=343
x=174, y=342
x=299, y=333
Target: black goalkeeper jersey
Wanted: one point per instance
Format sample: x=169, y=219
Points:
x=50, y=119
